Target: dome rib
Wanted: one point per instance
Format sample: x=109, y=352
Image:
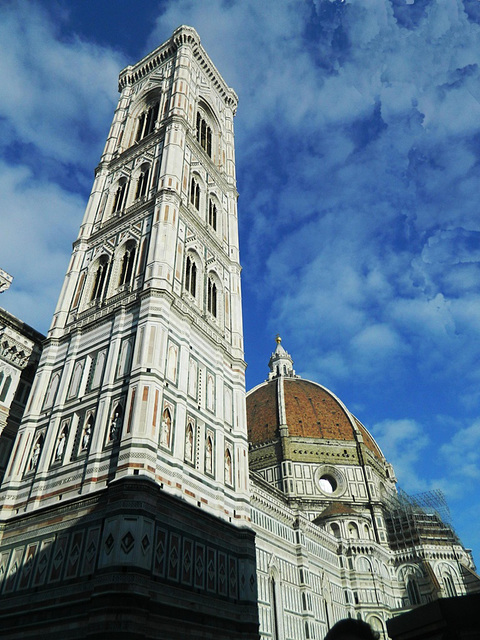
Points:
x=312, y=411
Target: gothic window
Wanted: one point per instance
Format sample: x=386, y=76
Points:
x=228, y=467
x=228, y=405
x=195, y=193
x=5, y=388
x=76, y=378
x=127, y=264
x=120, y=196
x=209, y=455
x=212, y=297
x=96, y=370
x=192, y=378
x=166, y=432
x=210, y=393
x=449, y=586
x=212, y=214
x=142, y=183
x=412, y=591
x=275, y=608
x=124, y=357
x=99, y=279
x=172, y=359
x=78, y=291
x=143, y=257
x=204, y=134
x=51, y=391
x=191, y=276
x=146, y=121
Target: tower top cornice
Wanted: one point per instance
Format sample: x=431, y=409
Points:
x=184, y=35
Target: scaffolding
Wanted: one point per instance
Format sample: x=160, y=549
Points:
x=421, y=519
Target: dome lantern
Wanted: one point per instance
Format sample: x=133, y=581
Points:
x=280, y=363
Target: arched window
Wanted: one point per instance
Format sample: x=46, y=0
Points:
x=412, y=591
x=128, y=261
x=165, y=436
x=146, y=121
x=210, y=393
x=352, y=530
x=191, y=276
x=212, y=297
x=52, y=391
x=192, y=378
x=76, y=378
x=5, y=388
x=120, y=196
x=274, y=596
x=99, y=279
x=335, y=529
x=142, y=182
x=212, y=214
x=204, y=134
x=195, y=193
x=449, y=586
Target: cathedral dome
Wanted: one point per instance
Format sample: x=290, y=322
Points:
x=288, y=405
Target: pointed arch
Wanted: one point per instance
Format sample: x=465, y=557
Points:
x=115, y=423
x=119, y=193
x=6, y=387
x=61, y=442
x=87, y=433
x=413, y=591
x=189, y=440
x=228, y=466
x=125, y=263
x=142, y=179
x=36, y=452
x=52, y=390
x=100, y=269
x=166, y=430
x=209, y=454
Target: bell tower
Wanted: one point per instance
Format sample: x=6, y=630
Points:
x=140, y=389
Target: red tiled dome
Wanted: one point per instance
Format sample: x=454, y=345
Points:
x=311, y=411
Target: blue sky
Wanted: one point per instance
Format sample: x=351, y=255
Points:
x=358, y=167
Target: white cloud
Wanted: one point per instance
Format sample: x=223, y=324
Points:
x=39, y=223
x=462, y=453
x=405, y=443
x=57, y=95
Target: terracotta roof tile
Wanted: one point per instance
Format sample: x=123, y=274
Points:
x=311, y=412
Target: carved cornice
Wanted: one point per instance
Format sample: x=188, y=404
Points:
x=14, y=348
x=182, y=36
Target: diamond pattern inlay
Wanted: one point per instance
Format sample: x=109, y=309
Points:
x=127, y=542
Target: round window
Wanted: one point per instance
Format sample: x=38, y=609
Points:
x=327, y=483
